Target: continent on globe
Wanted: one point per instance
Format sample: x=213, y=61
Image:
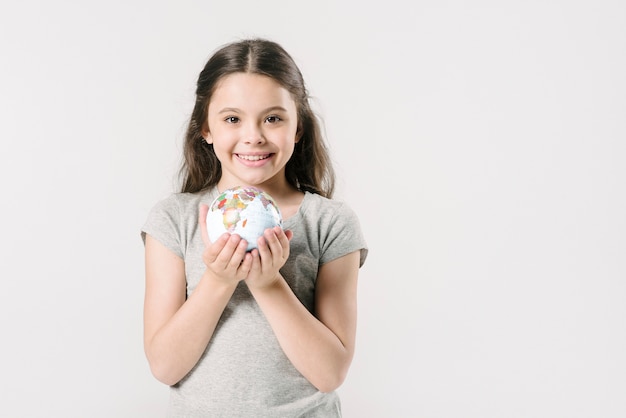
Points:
x=245, y=211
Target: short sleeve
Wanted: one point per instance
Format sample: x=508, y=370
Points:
x=163, y=224
x=343, y=236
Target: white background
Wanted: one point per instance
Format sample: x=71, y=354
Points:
x=483, y=145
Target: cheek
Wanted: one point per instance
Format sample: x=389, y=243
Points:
x=290, y=147
x=220, y=148
x=291, y=134
x=222, y=137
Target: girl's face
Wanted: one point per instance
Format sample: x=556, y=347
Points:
x=252, y=123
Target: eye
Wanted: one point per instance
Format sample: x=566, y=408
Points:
x=273, y=119
x=231, y=119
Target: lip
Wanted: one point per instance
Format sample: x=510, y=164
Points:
x=254, y=162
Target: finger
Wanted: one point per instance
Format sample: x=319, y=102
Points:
x=255, y=261
x=289, y=234
x=264, y=249
x=239, y=254
x=283, y=237
x=245, y=266
x=214, y=249
x=271, y=236
x=225, y=256
x=204, y=209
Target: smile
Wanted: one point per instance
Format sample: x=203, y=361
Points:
x=253, y=157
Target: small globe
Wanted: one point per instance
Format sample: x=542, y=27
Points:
x=245, y=211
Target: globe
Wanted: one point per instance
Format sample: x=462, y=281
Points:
x=245, y=211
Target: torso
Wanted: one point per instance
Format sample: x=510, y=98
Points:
x=290, y=205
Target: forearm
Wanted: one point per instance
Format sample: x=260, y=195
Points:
x=315, y=351
x=177, y=346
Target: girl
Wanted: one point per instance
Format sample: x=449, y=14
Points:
x=266, y=333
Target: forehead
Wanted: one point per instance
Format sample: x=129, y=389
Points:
x=239, y=89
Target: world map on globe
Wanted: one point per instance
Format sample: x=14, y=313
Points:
x=245, y=211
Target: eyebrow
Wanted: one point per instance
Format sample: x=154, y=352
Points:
x=235, y=110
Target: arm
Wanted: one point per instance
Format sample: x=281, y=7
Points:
x=321, y=347
x=177, y=331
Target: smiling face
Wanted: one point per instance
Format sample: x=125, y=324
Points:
x=252, y=123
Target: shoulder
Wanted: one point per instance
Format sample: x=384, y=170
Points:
x=173, y=220
x=317, y=204
x=335, y=224
x=325, y=211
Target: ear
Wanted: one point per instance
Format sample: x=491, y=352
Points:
x=299, y=134
x=206, y=134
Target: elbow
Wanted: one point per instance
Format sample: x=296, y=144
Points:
x=329, y=385
x=164, y=372
x=327, y=388
x=329, y=378
x=164, y=376
x=330, y=381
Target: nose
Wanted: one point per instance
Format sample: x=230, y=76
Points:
x=253, y=134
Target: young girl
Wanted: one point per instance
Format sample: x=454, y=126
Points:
x=266, y=333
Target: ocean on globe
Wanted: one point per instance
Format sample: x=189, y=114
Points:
x=246, y=211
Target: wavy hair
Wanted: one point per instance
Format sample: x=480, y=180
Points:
x=308, y=169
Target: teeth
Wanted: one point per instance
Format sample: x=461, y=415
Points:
x=253, y=157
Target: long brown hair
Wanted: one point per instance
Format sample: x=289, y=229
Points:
x=308, y=169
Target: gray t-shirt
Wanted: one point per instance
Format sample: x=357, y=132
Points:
x=243, y=371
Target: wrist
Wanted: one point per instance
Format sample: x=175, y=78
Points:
x=216, y=283
x=265, y=286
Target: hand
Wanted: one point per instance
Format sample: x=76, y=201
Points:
x=271, y=255
x=226, y=258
